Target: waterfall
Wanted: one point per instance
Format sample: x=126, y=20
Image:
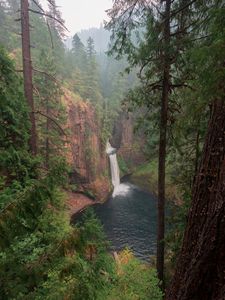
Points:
x=115, y=172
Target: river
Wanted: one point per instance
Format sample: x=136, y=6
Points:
x=129, y=218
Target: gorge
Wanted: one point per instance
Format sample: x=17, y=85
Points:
x=104, y=120
x=129, y=215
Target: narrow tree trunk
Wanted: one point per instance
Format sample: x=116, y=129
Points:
x=162, y=144
x=47, y=135
x=27, y=72
x=201, y=265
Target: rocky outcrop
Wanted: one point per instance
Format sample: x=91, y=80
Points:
x=129, y=144
x=85, y=152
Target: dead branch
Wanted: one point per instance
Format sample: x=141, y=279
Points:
x=50, y=33
x=51, y=119
x=48, y=75
x=48, y=16
x=38, y=5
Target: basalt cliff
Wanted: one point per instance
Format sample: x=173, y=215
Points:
x=86, y=151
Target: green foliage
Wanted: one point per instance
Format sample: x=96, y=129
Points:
x=51, y=118
x=15, y=162
x=123, y=165
x=134, y=281
x=47, y=258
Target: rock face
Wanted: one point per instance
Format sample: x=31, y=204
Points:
x=86, y=154
x=129, y=145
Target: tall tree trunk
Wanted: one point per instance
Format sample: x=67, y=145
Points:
x=162, y=144
x=27, y=72
x=201, y=265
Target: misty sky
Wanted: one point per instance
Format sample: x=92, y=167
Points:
x=83, y=14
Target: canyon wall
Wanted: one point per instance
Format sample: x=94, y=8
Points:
x=86, y=154
x=130, y=145
x=85, y=151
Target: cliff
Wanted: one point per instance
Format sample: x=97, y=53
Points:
x=130, y=145
x=85, y=152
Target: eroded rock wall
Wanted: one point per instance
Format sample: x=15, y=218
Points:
x=85, y=152
x=130, y=145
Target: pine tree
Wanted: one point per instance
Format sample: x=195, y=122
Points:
x=79, y=53
x=92, y=76
x=51, y=113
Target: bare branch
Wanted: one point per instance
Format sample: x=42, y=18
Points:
x=38, y=5
x=49, y=29
x=51, y=119
x=48, y=16
x=51, y=3
x=48, y=75
x=50, y=33
x=180, y=85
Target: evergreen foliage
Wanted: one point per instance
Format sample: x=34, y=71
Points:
x=15, y=163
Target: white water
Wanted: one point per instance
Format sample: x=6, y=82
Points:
x=115, y=172
x=122, y=189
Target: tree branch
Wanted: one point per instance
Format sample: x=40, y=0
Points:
x=48, y=75
x=48, y=16
x=51, y=119
x=182, y=8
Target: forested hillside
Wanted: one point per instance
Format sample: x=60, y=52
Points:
x=147, y=88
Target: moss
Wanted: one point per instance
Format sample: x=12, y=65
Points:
x=146, y=176
x=124, y=169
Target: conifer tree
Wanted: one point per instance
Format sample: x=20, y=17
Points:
x=50, y=111
x=92, y=77
x=79, y=53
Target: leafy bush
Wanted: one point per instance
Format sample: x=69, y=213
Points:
x=134, y=281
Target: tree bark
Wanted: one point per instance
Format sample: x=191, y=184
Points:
x=163, y=143
x=200, y=270
x=27, y=72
